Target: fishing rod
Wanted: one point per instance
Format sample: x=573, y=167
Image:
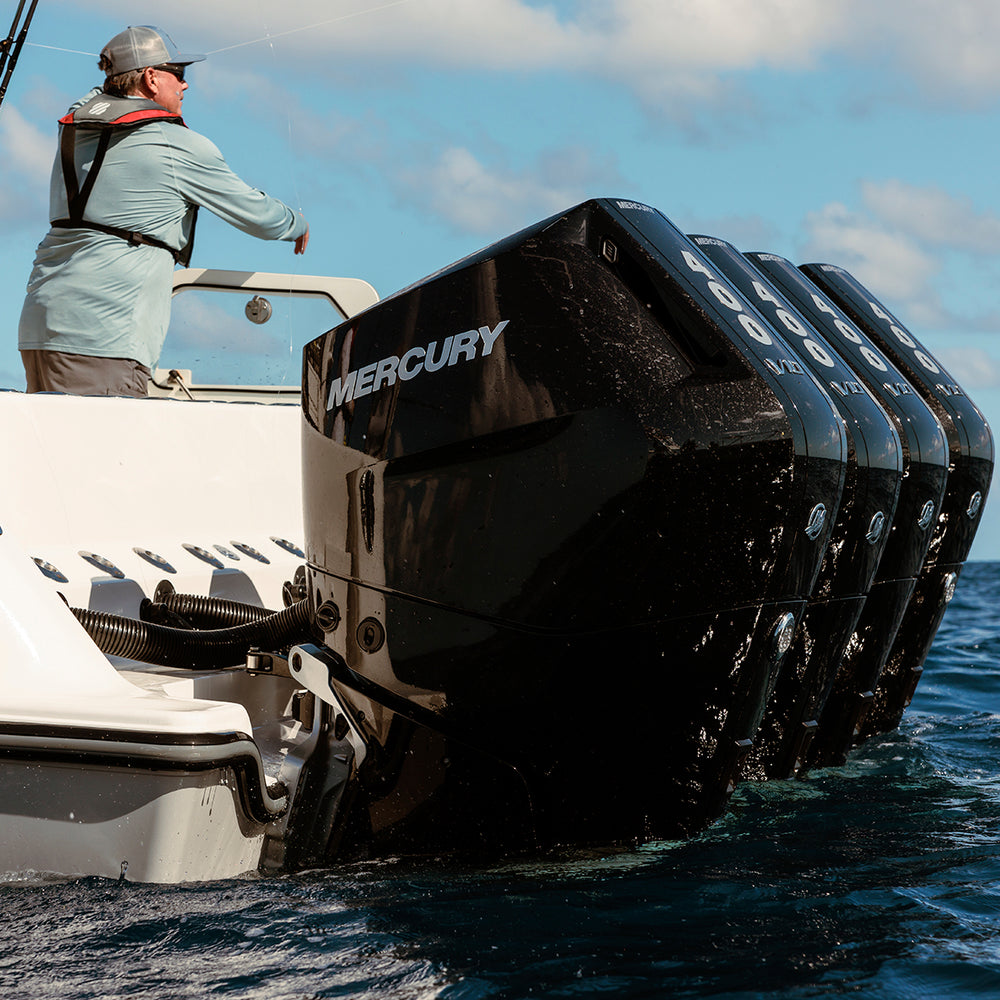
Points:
x=5, y=45
x=10, y=48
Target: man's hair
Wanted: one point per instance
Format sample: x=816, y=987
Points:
x=122, y=84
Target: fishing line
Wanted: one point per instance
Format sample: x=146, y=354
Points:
x=309, y=27
x=55, y=48
x=264, y=38
x=284, y=366
x=270, y=38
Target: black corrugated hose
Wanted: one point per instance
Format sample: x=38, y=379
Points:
x=200, y=611
x=194, y=649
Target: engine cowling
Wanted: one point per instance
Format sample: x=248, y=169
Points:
x=569, y=497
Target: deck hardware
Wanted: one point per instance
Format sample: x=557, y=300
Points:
x=371, y=635
x=288, y=546
x=328, y=616
x=258, y=309
x=151, y=557
x=259, y=662
x=204, y=555
x=249, y=550
x=50, y=571
x=99, y=562
x=296, y=589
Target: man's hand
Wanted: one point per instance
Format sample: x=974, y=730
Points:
x=303, y=241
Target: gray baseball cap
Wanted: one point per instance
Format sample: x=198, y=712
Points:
x=138, y=47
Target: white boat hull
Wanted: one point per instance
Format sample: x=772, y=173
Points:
x=148, y=826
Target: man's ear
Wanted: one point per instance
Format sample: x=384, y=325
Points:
x=150, y=83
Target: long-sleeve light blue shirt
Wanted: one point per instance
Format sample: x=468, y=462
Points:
x=95, y=294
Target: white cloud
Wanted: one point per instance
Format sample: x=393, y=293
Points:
x=683, y=49
x=970, y=367
x=723, y=34
x=947, y=46
x=490, y=34
x=620, y=35
x=657, y=47
x=933, y=216
x=889, y=261
x=473, y=191
x=496, y=199
x=26, y=153
x=745, y=232
x=27, y=148
x=661, y=49
x=898, y=244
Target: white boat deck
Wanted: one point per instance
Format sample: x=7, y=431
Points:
x=106, y=497
x=103, y=499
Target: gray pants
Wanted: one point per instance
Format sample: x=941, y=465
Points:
x=81, y=375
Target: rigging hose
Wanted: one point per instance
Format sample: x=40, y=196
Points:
x=193, y=649
x=199, y=611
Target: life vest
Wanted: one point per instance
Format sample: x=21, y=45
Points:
x=108, y=114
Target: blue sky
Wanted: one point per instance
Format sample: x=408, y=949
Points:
x=412, y=132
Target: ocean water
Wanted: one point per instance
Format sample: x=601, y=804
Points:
x=878, y=880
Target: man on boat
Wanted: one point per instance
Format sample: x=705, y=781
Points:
x=126, y=186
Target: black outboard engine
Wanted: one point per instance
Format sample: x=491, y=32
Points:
x=565, y=501
x=971, y=451
x=860, y=534
x=925, y=471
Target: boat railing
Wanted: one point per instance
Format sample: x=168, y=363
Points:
x=265, y=292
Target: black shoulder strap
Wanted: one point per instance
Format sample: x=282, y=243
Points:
x=76, y=196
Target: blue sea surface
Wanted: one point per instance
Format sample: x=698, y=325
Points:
x=880, y=879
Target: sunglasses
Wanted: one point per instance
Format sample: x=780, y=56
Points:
x=177, y=71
